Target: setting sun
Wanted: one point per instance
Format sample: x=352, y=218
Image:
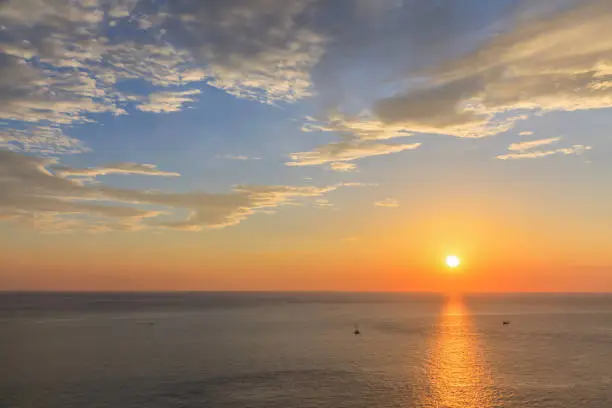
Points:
x=452, y=261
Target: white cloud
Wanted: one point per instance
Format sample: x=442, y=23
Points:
x=342, y=166
x=40, y=140
x=346, y=151
x=359, y=139
x=363, y=127
x=526, y=133
x=116, y=168
x=322, y=203
x=167, y=101
x=522, y=146
x=387, y=202
x=261, y=48
x=240, y=157
x=59, y=89
x=534, y=154
x=160, y=63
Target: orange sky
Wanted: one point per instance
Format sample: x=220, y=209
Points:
x=503, y=247
x=302, y=147
x=356, y=264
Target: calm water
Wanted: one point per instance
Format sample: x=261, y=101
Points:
x=272, y=350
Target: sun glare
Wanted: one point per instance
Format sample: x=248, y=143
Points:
x=452, y=261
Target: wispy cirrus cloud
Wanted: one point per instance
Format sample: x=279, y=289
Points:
x=115, y=168
x=534, y=154
x=388, y=203
x=527, y=145
x=239, y=157
x=526, y=149
x=362, y=127
x=346, y=151
x=167, y=101
x=343, y=167
x=360, y=138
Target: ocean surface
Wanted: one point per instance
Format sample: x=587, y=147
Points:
x=298, y=350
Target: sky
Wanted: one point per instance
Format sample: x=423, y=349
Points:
x=306, y=145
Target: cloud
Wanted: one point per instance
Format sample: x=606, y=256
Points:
x=58, y=68
x=346, y=151
x=256, y=49
x=40, y=140
x=116, y=168
x=556, y=62
x=167, y=101
x=526, y=133
x=63, y=63
x=387, y=202
x=522, y=146
x=342, y=166
x=31, y=191
x=437, y=109
x=237, y=157
x=575, y=149
x=359, y=140
x=157, y=62
x=57, y=97
x=267, y=51
x=322, y=203
x=524, y=150
x=363, y=127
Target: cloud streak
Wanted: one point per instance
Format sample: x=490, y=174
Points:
x=165, y=102
x=360, y=136
x=346, y=151
x=116, y=168
x=239, y=157
x=573, y=150
x=522, y=146
x=342, y=167
x=387, y=203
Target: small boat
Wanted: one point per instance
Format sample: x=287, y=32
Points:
x=356, y=332
x=506, y=322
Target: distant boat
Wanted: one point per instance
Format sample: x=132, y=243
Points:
x=506, y=322
x=356, y=332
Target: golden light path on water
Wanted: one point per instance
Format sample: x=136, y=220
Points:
x=457, y=373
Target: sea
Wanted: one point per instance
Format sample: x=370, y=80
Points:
x=285, y=350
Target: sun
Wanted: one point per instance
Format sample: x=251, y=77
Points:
x=452, y=261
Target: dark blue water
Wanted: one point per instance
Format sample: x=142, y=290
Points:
x=298, y=350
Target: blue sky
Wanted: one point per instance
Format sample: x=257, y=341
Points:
x=239, y=107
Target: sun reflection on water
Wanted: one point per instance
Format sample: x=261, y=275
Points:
x=457, y=373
